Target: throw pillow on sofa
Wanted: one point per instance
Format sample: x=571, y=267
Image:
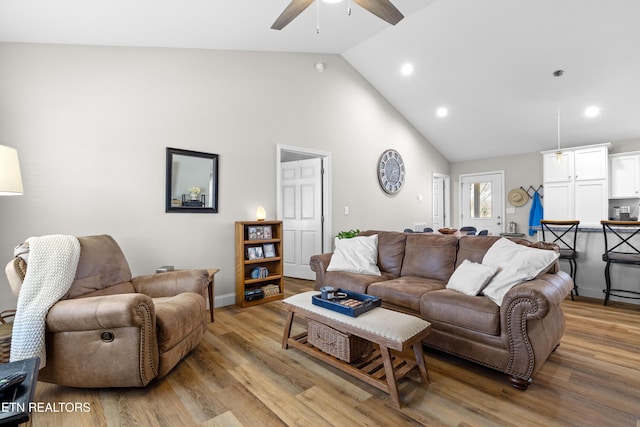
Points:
x=517, y=264
x=356, y=255
x=470, y=277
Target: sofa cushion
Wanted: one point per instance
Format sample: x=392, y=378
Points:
x=404, y=291
x=471, y=277
x=473, y=248
x=447, y=306
x=431, y=256
x=102, y=264
x=517, y=263
x=356, y=255
x=177, y=317
x=353, y=281
x=390, y=250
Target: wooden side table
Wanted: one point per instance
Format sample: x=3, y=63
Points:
x=211, y=290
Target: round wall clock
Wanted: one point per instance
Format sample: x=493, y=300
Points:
x=391, y=171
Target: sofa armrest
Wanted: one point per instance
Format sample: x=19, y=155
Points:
x=172, y=283
x=532, y=323
x=539, y=294
x=102, y=312
x=319, y=264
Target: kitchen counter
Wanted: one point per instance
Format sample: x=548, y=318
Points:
x=597, y=228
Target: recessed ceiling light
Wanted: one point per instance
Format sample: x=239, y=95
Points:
x=406, y=69
x=442, y=112
x=592, y=111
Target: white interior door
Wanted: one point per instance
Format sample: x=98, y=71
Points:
x=441, y=196
x=481, y=203
x=301, y=187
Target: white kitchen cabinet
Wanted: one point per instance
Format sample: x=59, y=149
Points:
x=558, y=168
x=624, y=170
x=558, y=200
x=591, y=201
x=591, y=163
x=576, y=184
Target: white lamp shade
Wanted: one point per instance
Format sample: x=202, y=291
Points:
x=10, y=178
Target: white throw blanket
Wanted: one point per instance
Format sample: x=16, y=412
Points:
x=53, y=261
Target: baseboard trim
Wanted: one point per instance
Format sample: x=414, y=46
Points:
x=223, y=300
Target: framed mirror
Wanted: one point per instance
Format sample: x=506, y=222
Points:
x=192, y=181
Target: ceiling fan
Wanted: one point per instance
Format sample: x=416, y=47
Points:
x=383, y=9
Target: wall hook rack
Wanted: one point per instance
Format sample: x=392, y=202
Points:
x=532, y=190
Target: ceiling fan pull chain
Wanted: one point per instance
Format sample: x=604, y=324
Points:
x=318, y=17
x=349, y=8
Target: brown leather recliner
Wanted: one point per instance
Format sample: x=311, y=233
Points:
x=112, y=330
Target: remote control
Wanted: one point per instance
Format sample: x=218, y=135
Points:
x=12, y=380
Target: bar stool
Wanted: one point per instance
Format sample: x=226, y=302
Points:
x=564, y=234
x=620, y=250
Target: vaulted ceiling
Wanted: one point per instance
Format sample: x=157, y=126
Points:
x=490, y=63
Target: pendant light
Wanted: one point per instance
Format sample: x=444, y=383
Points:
x=558, y=74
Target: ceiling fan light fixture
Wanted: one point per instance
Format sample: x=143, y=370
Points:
x=332, y=1
x=383, y=9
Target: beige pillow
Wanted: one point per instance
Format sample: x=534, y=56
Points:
x=470, y=277
x=356, y=255
x=517, y=263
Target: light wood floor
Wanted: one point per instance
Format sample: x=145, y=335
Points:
x=240, y=376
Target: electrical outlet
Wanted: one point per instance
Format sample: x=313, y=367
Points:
x=346, y=210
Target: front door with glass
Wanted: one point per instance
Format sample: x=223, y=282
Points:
x=481, y=203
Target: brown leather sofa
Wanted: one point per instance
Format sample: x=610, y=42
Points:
x=515, y=337
x=112, y=330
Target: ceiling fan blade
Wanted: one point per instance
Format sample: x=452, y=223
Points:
x=295, y=8
x=383, y=9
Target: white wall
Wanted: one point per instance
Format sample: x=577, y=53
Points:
x=91, y=125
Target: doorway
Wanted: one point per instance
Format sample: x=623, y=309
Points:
x=481, y=201
x=441, y=201
x=303, y=193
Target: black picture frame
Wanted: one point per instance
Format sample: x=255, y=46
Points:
x=207, y=180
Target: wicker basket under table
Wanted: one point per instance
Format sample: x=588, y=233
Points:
x=342, y=345
x=5, y=335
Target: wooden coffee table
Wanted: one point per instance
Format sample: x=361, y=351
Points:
x=389, y=330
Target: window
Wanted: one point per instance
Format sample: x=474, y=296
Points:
x=480, y=204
